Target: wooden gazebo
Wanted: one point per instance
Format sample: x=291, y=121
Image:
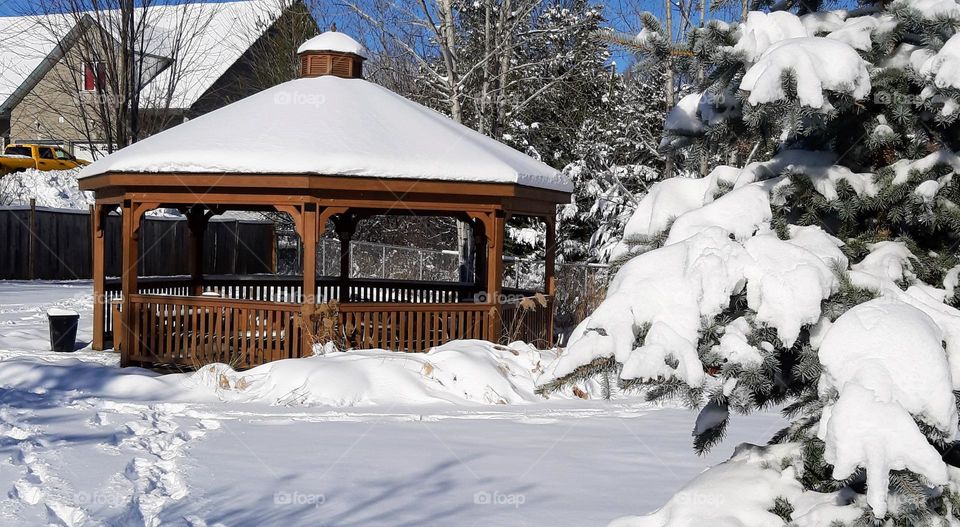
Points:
x=328, y=149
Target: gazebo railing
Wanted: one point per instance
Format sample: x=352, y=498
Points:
x=411, y=327
x=194, y=331
x=290, y=289
x=172, y=327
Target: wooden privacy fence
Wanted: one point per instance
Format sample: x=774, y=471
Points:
x=54, y=244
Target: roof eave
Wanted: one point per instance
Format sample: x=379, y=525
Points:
x=313, y=184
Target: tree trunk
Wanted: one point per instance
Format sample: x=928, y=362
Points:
x=668, y=78
x=448, y=46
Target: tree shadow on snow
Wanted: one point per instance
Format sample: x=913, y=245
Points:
x=432, y=496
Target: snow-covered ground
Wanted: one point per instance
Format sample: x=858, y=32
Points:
x=133, y=449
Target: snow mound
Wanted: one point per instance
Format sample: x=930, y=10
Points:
x=463, y=372
x=885, y=359
x=741, y=492
x=52, y=188
x=818, y=64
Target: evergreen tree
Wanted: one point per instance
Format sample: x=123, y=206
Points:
x=857, y=134
x=616, y=158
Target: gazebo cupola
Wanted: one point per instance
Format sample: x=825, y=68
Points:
x=332, y=53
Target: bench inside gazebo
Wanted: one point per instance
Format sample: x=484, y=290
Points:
x=330, y=150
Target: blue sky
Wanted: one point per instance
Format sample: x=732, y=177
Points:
x=31, y=7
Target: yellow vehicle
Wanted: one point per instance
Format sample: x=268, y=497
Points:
x=19, y=157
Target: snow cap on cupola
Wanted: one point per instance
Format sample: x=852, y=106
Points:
x=332, y=53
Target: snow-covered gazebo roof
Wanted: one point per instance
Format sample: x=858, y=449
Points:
x=333, y=126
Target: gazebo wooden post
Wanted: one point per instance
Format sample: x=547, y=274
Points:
x=128, y=272
x=197, y=220
x=308, y=235
x=479, y=271
x=495, y=271
x=97, y=218
x=345, y=225
x=549, y=271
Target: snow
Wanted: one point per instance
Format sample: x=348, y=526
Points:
x=879, y=436
x=714, y=249
x=944, y=67
x=87, y=440
x=787, y=283
x=817, y=63
x=61, y=312
x=53, y=188
x=885, y=360
x=733, y=346
x=696, y=110
x=742, y=212
x=895, y=351
x=322, y=125
x=671, y=290
x=886, y=259
x=672, y=198
x=742, y=491
x=904, y=167
x=683, y=117
x=821, y=22
x=762, y=30
x=931, y=9
x=333, y=41
x=459, y=372
x=858, y=32
x=664, y=202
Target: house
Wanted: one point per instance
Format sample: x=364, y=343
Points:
x=57, y=71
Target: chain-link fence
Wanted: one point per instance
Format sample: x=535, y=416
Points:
x=580, y=287
x=372, y=260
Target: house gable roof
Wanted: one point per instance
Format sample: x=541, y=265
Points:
x=210, y=37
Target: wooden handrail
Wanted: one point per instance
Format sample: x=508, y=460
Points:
x=362, y=307
x=214, y=280
x=211, y=301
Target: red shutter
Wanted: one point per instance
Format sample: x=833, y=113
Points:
x=89, y=82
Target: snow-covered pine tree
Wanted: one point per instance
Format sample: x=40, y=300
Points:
x=615, y=160
x=817, y=273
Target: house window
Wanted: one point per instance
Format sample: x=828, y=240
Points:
x=94, y=76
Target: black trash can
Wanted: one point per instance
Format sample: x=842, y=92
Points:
x=63, y=329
